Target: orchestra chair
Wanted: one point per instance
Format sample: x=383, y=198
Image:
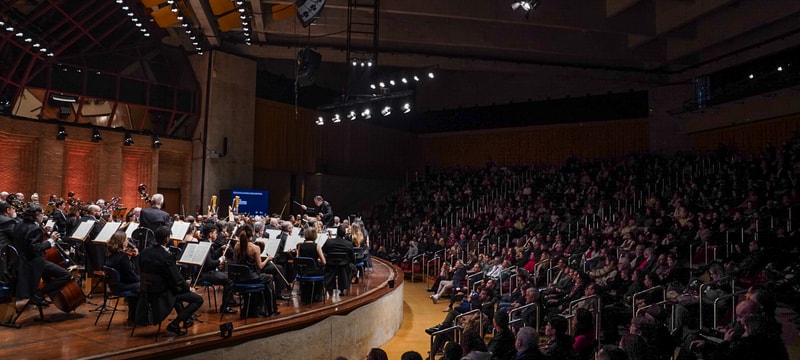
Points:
x=210, y=289
x=308, y=271
x=359, y=254
x=244, y=285
x=142, y=238
x=11, y=257
x=147, y=308
x=111, y=293
x=338, y=263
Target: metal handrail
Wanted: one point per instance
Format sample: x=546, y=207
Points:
x=733, y=308
x=474, y=283
x=512, y=271
x=647, y=291
x=598, y=311
x=414, y=261
x=706, y=285
x=550, y=274
x=426, y=270
x=514, y=311
x=456, y=332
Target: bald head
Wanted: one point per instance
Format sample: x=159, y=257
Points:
x=745, y=308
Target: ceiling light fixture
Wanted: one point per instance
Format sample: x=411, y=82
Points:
x=526, y=6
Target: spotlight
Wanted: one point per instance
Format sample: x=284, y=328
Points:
x=62, y=133
x=430, y=75
x=404, y=80
x=391, y=82
x=751, y=76
x=416, y=78
x=406, y=108
x=372, y=86
x=320, y=121
x=386, y=111
x=336, y=119
x=351, y=115
x=369, y=63
x=156, y=142
x=355, y=62
x=128, y=139
x=780, y=68
x=366, y=114
x=362, y=64
x=96, y=135
x=526, y=6
x=381, y=84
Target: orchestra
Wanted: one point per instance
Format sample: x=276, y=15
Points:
x=71, y=244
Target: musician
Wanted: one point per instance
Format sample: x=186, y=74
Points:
x=28, y=237
x=8, y=220
x=95, y=255
x=213, y=267
x=322, y=208
x=247, y=253
x=166, y=286
x=118, y=256
x=344, y=273
x=153, y=217
x=281, y=262
x=59, y=215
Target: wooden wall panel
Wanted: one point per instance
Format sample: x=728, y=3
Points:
x=749, y=137
x=540, y=144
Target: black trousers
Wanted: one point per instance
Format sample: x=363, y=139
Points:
x=193, y=302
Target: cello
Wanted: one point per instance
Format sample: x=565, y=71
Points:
x=70, y=295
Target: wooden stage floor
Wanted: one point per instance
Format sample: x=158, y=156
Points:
x=74, y=335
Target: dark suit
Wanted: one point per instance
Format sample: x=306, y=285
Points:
x=95, y=254
x=60, y=219
x=338, y=245
x=163, y=287
x=32, y=264
x=154, y=218
x=128, y=279
x=212, y=274
x=325, y=209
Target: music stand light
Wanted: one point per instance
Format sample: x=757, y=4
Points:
x=226, y=329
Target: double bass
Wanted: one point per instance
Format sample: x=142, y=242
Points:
x=70, y=296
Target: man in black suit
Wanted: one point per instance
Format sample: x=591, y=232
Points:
x=339, y=244
x=322, y=208
x=60, y=218
x=32, y=263
x=95, y=254
x=165, y=287
x=212, y=272
x=279, y=266
x=153, y=217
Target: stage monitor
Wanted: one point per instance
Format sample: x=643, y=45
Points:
x=252, y=202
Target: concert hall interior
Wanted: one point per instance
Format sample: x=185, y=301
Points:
x=484, y=178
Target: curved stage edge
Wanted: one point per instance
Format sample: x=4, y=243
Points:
x=349, y=327
x=344, y=326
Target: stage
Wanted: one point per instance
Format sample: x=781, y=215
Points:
x=345, y=325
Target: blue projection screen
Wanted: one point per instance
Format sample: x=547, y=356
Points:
x=252, y=202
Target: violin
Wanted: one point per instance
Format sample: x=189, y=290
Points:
x=131, y=250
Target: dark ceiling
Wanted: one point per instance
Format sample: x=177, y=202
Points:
x=561, y=48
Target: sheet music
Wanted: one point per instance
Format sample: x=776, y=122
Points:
x=295, y=231
x=272, y=234
x=195, y=253
x=321, y=239
x=105, y=234
x=179, y=230
x=83, y=230
x=50, y=224
x=291, y=243
x=270, y=246
x=131, y=228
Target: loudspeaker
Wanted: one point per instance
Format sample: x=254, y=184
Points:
x=308, y=10
x=308, y=62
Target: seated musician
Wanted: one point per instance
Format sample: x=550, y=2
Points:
x=339, y=244
x=247, y=253
x=32, y=263
x=165, y=286
x=212, y=269
x=118, y=256
x=310, y=249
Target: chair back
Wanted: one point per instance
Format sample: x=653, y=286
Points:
x=337, y=259
x=238, y=273
x=142, y=237
x=305, y=264
x=359, y=253
x=111, y=278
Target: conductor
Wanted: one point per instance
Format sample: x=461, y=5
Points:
x=323, y=209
